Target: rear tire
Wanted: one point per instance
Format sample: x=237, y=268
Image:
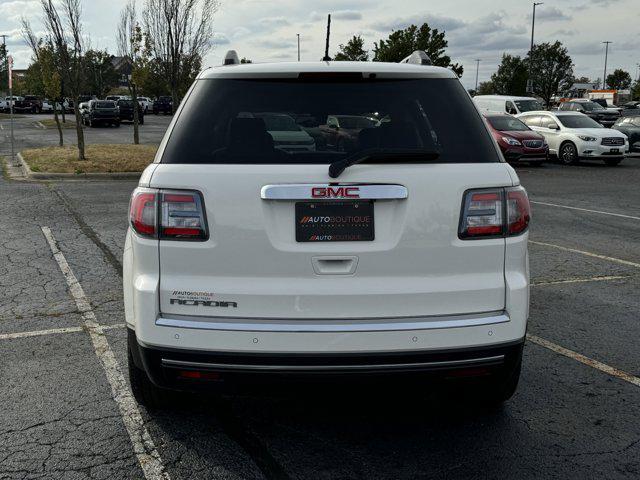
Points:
x=612, y=162
x=144, y=391
x=568, y=154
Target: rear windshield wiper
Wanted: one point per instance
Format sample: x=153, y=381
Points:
x=382, y=155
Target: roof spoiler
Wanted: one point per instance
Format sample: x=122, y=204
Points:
x=419, y=57
x=231, y=58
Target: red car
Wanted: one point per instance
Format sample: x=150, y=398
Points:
x=517, y=141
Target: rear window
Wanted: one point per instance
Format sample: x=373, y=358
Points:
x=105, y=105
x=529, y=105
x=296, y=121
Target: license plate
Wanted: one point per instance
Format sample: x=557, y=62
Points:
x=349, y=221
x=614, y=150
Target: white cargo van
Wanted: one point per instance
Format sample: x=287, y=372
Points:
x=507, y=104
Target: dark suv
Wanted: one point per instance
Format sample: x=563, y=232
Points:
x=163, y=105
x=126, y=111
x=101, y=112
x=593, y=110
x=31, y=104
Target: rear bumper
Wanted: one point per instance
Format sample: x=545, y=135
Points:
x=166, y=367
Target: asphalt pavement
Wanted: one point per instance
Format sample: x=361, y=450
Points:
x=575, y=414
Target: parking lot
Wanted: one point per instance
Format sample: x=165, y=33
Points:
x=67, y=413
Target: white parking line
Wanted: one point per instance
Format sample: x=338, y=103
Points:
x=603, y=367
x=53, y=331
x=580, y=280
x=143, y=445
x=588, y=254
x=585, y=210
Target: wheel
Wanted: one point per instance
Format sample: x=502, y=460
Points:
x=612, y=162
x=144, y=391
x=568, y=154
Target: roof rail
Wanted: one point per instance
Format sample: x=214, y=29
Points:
x=419, y=57
x=231, y=58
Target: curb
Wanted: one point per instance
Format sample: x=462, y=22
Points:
x=28, y=173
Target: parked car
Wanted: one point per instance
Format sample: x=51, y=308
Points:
x=69, y=104
x=631, y=108
x=286, y=133
x=147, y=104
x=101, y=112
x=47, y=106
x=342, y=131
x=517, y=142
x=126, y=111
x=163, y=105
x=9, y=101
x=28, y=103
x=593, y=110
x=406, y=256
x=115, y=98
x=573, y=136
x=630, y=126
x=507, y=104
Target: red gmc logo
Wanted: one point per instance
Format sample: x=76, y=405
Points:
x=335, y=192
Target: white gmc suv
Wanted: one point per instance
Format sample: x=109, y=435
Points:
x=404, y=254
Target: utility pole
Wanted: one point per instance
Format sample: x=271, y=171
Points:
x=477, y=72
x=606, y=57
x=11, y=103
x=326, y=57
x=298, y=46
x=533, y=29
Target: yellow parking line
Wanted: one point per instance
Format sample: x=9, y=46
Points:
x=588, y=254
x=590, y=362
x=581, y=280
x=585, y=210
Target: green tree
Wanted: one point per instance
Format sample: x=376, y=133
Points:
x=4, y=87
x=485, y=88
x=511, y=77
x=245, y=60
x=582, y=80
x=402, y=43
x=551, y=69
x=353, y=51
x=32, y=84
x=100, y=76
x=619, y=80
x=635, y=90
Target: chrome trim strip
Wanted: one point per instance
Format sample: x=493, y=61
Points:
x=302, y=191
x=346, y=325
x=298, y=368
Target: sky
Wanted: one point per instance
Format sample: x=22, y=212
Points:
x=265, y=30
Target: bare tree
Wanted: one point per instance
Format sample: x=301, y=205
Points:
x=66, y=37
x=49, y=73
x=180, y=33
x=129, y=40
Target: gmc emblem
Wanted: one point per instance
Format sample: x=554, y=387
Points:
x=335, y=192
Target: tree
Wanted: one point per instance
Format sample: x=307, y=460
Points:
x=179, y=33
x=130, y=47
x=66, y=38
x=245, y=60
x=402, y=43
x=485, y=88
x=551, y=69
x=511, y=77
x=3, y=69
x=353, y=51
x=635, y=90
x=619, y=80
x=582, y=80
x=100, y=76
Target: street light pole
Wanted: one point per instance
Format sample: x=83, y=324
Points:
x=298, y=46
x=477, y=72
x=606, y=57
x=533, y=29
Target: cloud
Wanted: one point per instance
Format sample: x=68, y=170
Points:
x=550, y=14
x=273, y=22
x=435, y=21
x=15, y=9
x=220, y=38
x=337, y=15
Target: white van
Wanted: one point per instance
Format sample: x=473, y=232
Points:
x=507, y=104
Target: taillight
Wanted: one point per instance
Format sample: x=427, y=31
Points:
x=182, y=216
x=142, y=211
x=168, y=214
x=518, y=210
x=493, y=213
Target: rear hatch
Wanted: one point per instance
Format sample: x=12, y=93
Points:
x=391, y=248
